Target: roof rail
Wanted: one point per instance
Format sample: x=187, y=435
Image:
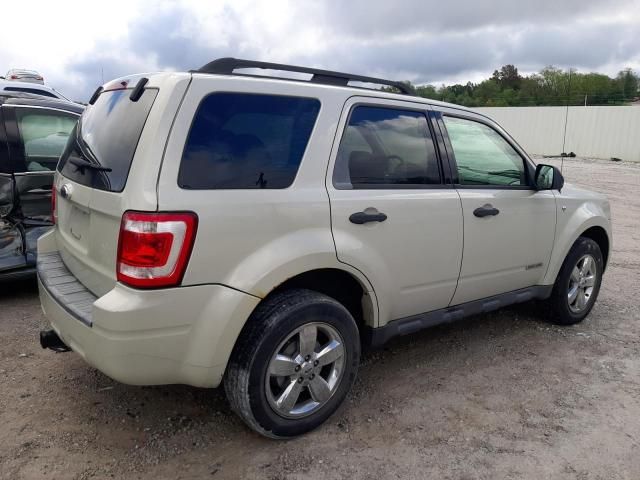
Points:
x=227, y=65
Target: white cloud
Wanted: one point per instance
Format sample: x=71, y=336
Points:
x=72, y=42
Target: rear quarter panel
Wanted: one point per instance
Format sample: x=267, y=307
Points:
x=254, y=240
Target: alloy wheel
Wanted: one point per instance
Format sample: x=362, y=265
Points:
x=581, y=282
x=305, y=370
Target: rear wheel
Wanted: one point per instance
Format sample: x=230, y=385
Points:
x=578, y=283
x=294, y=363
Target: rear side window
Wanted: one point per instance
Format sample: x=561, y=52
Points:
x=44, y=134
x=386, y=148
x=107, y=136
x=246, y=141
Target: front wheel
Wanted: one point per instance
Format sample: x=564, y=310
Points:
x=578, y=283
x=294, y=363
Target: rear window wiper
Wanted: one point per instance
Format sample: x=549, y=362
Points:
x=82, y=164
x=86, y=151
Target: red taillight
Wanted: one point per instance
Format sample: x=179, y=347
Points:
x=14, y=77
x=154, y=248
x=54, y=213
x=145, y=249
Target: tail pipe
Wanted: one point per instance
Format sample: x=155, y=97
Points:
x=50, y=339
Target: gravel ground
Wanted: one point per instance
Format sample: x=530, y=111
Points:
x=503, y=395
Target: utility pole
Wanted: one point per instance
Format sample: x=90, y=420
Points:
x=566, y=117
x=585, y=99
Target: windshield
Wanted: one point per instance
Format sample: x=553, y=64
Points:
x=106, y=137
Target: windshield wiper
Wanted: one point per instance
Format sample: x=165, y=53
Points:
x=82, y=164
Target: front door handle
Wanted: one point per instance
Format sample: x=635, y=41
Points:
x=485, y=211
x=369, y=215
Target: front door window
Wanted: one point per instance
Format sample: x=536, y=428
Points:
x=483, y=156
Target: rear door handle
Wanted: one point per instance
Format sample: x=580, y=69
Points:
x=485, y=211
x=369, y=215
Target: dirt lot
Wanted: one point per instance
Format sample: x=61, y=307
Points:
x=504, y=395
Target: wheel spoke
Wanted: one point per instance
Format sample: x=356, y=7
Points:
x=308, y=336
x=586, y=266
x=581, y=301
x=590, y=281
x=289, y=397
x=573, y=293
x=282, y=366
x=319, y=389
x=330, y=353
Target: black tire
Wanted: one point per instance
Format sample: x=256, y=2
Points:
x=561, y=313
x=269, y=325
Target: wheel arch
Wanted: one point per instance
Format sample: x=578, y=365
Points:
x=354, y=293
x=599, y=235
x=595, y=227
x=344, y=286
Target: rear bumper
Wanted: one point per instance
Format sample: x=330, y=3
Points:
x=139, y=337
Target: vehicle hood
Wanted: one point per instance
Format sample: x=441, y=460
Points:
x=576, y=197
x=571, y=191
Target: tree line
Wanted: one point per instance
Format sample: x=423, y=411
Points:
x=550, y=86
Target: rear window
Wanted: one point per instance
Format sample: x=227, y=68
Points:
x=106, y=136
x=247, y=141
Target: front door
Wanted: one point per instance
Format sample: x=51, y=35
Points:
x=392, y=215
x=509, y=227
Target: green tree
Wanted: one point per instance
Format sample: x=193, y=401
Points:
x=427, y=91
x=530, y=91
x=550, y=86
x=507, y=77
x=486, y=91
x=554, y=83
x=626, y=84
x=592, y=88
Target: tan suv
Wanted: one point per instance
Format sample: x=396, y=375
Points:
x=218, y=227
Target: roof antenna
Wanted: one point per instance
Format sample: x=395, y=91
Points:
x=566, y=116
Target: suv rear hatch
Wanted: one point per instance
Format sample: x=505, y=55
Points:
x=98, y=179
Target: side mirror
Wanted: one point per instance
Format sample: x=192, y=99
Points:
x=548, y=177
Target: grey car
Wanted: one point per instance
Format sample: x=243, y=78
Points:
x=22, y=75
x=33, y=133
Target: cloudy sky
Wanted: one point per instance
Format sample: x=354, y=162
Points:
x=74, y=43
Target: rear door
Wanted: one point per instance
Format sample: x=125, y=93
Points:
x=11, y=251
x=509, y=226
x=394, y=215
x=37, y=136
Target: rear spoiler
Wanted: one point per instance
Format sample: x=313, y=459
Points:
x=120, y=85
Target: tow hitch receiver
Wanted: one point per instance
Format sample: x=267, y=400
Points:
x=50, y=339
